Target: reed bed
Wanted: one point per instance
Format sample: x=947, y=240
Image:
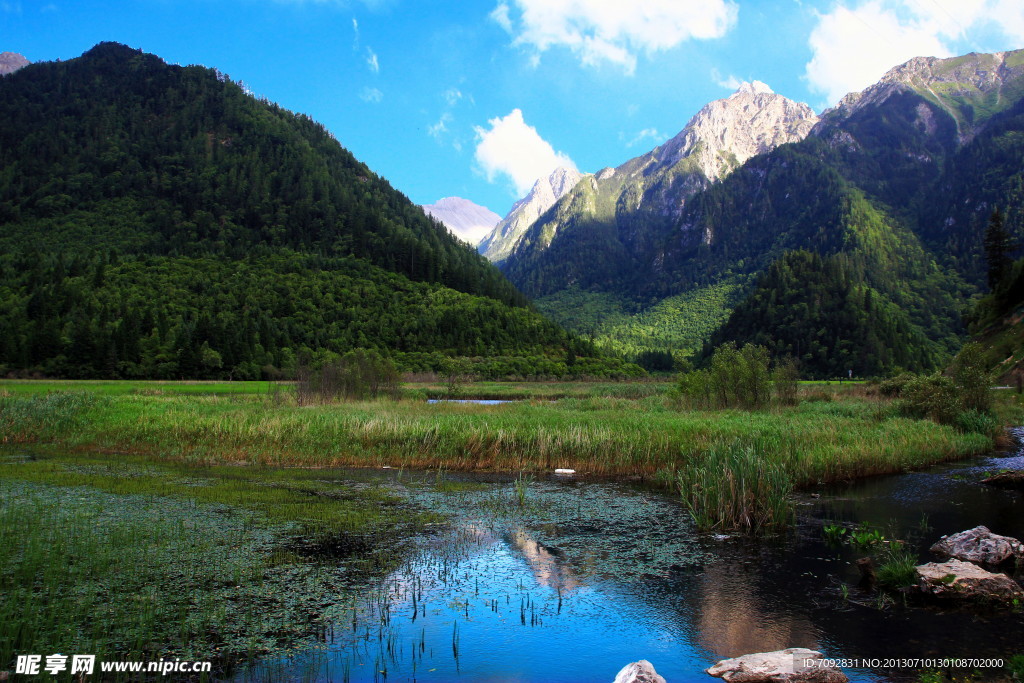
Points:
x=816, y=442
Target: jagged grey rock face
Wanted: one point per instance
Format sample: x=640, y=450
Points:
x=500, y=242
x=980, y=545
x=725, y=133
x=466, y=220
x=792, y=664
x=717, y=140
x=980, y=78
x=11, y=62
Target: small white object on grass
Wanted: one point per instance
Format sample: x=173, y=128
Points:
x=562, y=470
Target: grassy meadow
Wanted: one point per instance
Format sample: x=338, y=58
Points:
x=823, y=439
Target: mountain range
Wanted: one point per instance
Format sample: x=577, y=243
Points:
x=879, y=205
x=159, y=221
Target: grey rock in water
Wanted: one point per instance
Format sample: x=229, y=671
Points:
x=956, y=580
x=1006, y=480
x=794, y=665
x=639, y=672
x=980, y=545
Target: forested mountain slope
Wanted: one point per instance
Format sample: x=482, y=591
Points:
x=150, y=214
x=891, y=190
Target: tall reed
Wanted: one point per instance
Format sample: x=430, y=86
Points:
x=736, y=487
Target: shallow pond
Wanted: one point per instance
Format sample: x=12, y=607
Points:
x=566, y=580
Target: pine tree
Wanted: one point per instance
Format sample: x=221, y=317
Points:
x=998, y=247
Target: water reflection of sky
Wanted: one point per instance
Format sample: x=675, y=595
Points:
x=592, y=576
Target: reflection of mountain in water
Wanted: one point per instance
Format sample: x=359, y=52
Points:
x=734, y=619
x=544, y=562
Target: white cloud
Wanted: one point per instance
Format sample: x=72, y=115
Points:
x=729, y=82
x=371, y=61
x=511, y=148
x=854, y=45
x=371, y=95
x=651, y=134
x=441, y=127
x=613, y=31
x=452, y=96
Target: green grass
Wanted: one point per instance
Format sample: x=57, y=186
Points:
x=20, y=387
x=816, y=441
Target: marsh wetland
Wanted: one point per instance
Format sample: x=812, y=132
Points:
x=148, y=525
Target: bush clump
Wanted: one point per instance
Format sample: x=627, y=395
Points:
x=962, y=397
x=739, y=378
x=356, y=376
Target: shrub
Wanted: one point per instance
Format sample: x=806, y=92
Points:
x=893, y=386
x=736, y=378
x=973, y=379
x=358, y=375
x=785, y=381
x=932, y=396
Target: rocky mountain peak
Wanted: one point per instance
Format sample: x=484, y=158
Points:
x=753, y=88
x=11, y=62
x=497, y=245
x=969, y=88
x=727, y=132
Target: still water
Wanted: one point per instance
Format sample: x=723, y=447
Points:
x=567, y=580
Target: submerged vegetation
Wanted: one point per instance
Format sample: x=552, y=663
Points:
x=129, y=557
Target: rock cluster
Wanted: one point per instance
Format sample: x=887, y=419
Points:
x=961, y=578
x=792, y=665
x=981, y=546
x=1006, y=480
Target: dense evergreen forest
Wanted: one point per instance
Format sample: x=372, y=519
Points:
x=821, y=312
x=158, y=221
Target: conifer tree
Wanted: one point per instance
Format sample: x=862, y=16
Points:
x=998, y=247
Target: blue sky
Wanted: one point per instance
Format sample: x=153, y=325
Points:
x=478, y=98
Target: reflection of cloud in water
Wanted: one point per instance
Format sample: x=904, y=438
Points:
x=543, y=563
x=734, y=620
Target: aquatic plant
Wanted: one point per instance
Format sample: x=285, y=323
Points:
x=898, y=566
x=1015, y=666
x=736, y=488
x=864, y=536
x=834, y=533
x=522, y=487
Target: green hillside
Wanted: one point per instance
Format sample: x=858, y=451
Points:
x=158, y=221
x=891, y=192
